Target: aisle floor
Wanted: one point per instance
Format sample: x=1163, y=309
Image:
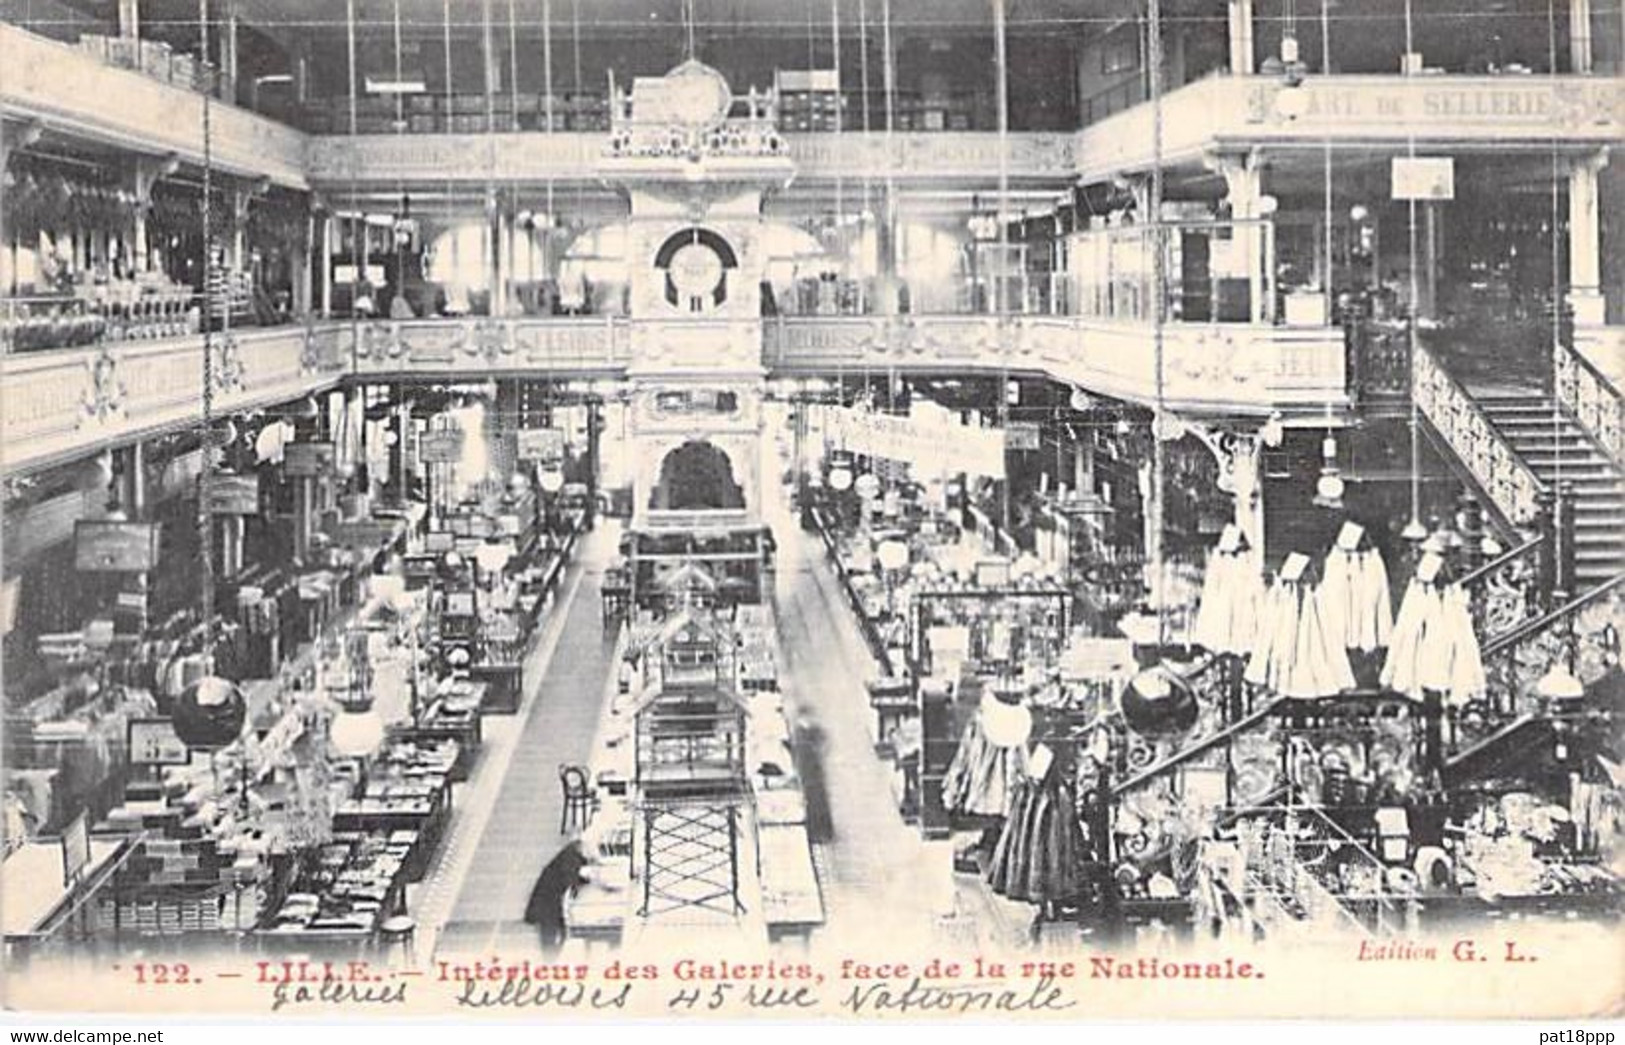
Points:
x=517, y=782
x=878, y=877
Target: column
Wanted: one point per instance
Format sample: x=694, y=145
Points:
x=129, y=19
x=493, y=251
x=232, y=536
x=304, y=516
x=142, y=180
x=1585, y=240
x=1241, y=37
x=1247, y=478
x=134, y=494
x=1580, y=57
x=327, y=266
x=886, y=248
x=228, y=54
x=237, y=249
x=302, y=289
x=300, y=67
x=1244, y=182
x=401, y=480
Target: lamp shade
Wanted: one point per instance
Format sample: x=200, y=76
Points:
x=840, y=479
x=1006, y=724
x=1159, y=703
x=868, y=486
x=356, y=733
x=893, y=555
x=209, y=713
x=1559, y=683
x=551, y=481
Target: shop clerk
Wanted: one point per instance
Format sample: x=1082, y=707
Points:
x=553, y=887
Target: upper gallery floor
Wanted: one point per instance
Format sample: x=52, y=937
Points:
x=327, y=94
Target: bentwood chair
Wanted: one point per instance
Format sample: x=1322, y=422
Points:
x=579, y=798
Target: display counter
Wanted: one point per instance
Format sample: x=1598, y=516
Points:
x=343, y=891
x=35, y=901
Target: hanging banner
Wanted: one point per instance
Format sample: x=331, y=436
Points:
x=541, y=444
x=365, y=534
x=234, y=495
x=930, y=439
x=305, y=460
x=1424, y=178
x=1022, y=435
x=442, y=446
x=101, y=546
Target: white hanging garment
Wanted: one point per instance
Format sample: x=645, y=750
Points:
x=1232, y=598
x=1298, y=656
x=1435, y=647
x=1467, y=679
x=1319, y=666
x=1357, y=599
x=1403, y=668
x=1275, y=625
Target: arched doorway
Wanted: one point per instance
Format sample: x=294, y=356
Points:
x=696, y=476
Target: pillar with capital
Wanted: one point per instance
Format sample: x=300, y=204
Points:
x=1243, y=174
x=1585, y=239
x=1241, y=37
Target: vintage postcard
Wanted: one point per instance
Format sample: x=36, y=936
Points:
x=855, y=510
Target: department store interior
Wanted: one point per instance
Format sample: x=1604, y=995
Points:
x=998, y=471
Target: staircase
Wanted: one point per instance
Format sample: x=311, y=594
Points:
x=1562, y=450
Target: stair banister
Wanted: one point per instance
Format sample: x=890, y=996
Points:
x=1510, y=484
x=1590, y=398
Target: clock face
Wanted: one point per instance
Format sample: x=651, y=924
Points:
x=696, y=270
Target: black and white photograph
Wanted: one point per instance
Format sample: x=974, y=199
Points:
x=839, y=511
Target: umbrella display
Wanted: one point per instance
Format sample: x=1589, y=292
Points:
x=1296, y=654
x=1434, y=647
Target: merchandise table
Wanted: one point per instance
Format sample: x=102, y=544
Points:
x=352, y=885
x=34, y=901
x=422, y=807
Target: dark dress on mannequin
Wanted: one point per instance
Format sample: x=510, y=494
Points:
x=545, y=910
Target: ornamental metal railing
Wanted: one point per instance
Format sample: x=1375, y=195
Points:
x=1510, y=484
x=1587, y=395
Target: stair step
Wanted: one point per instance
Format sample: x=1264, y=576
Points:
x=1544, y=437
x=1592, y=486
x=1568, y=463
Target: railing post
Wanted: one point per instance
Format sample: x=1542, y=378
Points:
x=1472, y=549
x=1565, y=543
x=1546, y=569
